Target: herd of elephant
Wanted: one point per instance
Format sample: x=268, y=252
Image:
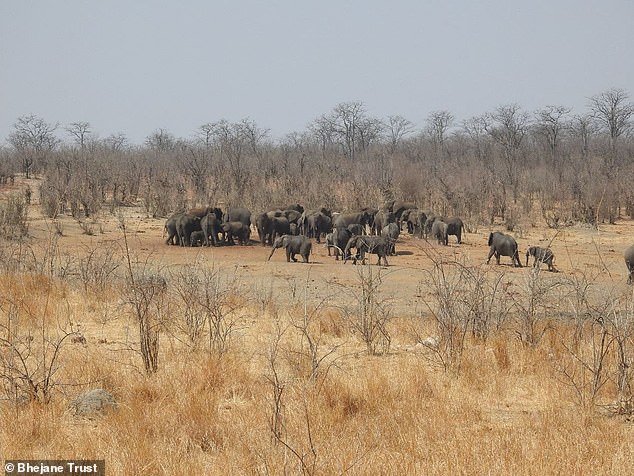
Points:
x=367, y=231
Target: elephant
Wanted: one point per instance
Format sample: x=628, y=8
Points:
x=293, y=216
x=362, y=218
x=382, y=219
x=294, y=245
x=340, y=238
x=356, y=229
x=185, y=225
x=293, y=228
x=372, y=212
x=241, y=214
x=455, y=227
x=210, y=225
x=279, y=226
x=196, y=238
x=304, y=227
x=416, y=221
x=330, y=244
x=170, y=228
x=399, y=206
x=439, y=231
x=541, y=255
x=318, y=224
x=263, y=223
x=202, y=212
x=405, y=220
x=391, y=231
x=629, y=262
x=503, y=245
x=236, y=229
x=378, y=245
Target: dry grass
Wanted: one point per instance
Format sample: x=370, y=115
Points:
x=507, y=412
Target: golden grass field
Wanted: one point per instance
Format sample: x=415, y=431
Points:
x=506, y=409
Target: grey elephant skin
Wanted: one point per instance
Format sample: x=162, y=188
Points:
x=503, y=245
x=294, y=245
x=541, y=255
x=391, y=231
x=185, y=226
x=170, y=229
x=241, y=214
x=210, y=225
x=382, y=219
x=197, y=238
x=360, y=218
x=236, y=229
x=340, y=237
x=628, y=255
x=439, y=232
x=378, y=245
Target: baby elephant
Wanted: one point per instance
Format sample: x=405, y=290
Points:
x=541, y=255
x=196, y=238
x=295, y=245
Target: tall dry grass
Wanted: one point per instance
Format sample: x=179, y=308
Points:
x=508, y=410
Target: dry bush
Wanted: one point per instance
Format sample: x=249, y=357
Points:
x=13, y=218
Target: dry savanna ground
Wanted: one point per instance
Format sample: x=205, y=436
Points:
x=437, y=364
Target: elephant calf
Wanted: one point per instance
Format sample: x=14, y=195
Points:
x=236, y=229
x=294, y=245
x=541, y=255
x=439, y=231
x=197, y=238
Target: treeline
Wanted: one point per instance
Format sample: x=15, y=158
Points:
x=552, y=164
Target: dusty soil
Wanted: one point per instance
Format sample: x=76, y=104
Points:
x=577, y=249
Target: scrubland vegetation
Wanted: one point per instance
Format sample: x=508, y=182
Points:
x=219, y=367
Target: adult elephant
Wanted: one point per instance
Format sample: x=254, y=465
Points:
x=279, y=226
x=294, y=245
x=378, y=245
x=454, y=227
x=170, y=229
x=241, y=214
x=439, y=231
x=399, y=206
x=340, y=238
x=236, y=229
x=185, y=225
x=210, y=225
x=303, y=221
x=629, y=262
x=382, y=219
x=405, y=220
x=318, y=224
x=416, y=220
x=391, y=231
x=503, y=245
x=263, y=223
x=362, y=218
x=204, y=211
x=372, y=212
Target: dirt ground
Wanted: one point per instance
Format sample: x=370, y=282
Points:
x=577, y=249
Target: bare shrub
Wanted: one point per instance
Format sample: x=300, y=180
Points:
x=13, y=218
x=29, y=350
x=371, y=312
x=98, y=265
x=208, y=298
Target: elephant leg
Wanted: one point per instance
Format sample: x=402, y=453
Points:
x=491, y=253
x=497, y=256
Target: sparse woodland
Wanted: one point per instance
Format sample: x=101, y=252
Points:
x=247, y=367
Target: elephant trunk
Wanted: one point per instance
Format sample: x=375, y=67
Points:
x=272, y=251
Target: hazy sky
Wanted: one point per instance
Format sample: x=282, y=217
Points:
x=134, y=66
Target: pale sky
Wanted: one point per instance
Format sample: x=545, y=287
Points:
x=134, y=66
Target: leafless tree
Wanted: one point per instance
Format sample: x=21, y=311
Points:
x=33, y=139
x=551, y=124
x=161, y=140
x=613, y=112
x=438, y=123
x=397, y=129
x=80, y=132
